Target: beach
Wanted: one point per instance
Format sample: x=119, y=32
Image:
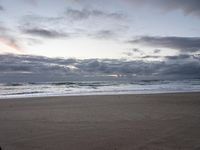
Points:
x=112, y=122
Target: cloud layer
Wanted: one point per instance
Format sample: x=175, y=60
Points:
x=77, y=14
x=187, y=44
x=188, y=7
x=16, y=68
x=45, y=33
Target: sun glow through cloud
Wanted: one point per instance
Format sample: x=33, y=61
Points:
x=9, y=47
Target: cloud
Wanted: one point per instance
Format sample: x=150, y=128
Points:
x=53, y=27
x=186, y=44
x=188, y=7
x=103, y=34
x=139, y=54
x=27, y=68
x=156, y=51
x=91, y=23
x=31, y=2
x=1, y=8
x=77, y=15
x=133, y=52
x=179, y=57
x=186, y=69
x=45, y=33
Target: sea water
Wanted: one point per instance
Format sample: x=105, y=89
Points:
x=15, y=90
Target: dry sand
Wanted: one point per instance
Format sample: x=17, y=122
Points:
x=123, y=122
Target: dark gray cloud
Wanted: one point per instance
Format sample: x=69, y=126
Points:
x=181, y=56
x=183, y=70
x=45, y=33
x=1, y=8
x=187, y=44
x=103, y=34
x=31, y=2
x=156, y=51
x=150, y=56
x=188, y=7
x=76, y=14
x=15, y=68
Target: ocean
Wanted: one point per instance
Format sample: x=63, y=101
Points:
x=18, y=90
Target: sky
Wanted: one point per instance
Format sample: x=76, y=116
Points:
x=92, y=39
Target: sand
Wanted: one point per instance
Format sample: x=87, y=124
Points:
x=121, y=122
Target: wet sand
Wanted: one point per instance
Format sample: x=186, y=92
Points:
x=121, y=122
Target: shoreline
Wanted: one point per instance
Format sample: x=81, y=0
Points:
x=87, y=95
